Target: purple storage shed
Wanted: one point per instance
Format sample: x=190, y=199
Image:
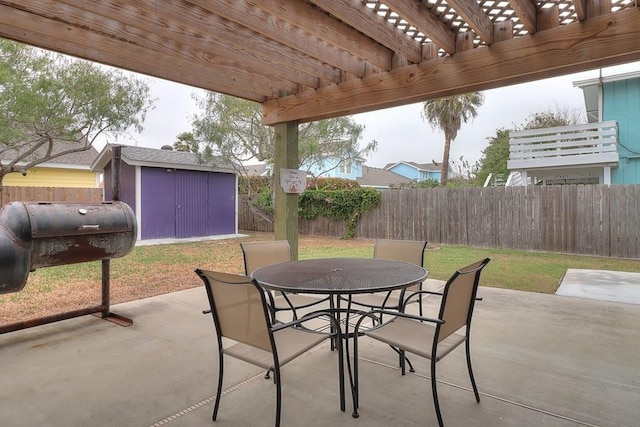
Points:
x=171, y=193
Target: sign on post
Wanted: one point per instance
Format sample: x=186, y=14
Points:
x=293, y=180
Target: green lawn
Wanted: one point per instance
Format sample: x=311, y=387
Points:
x=167, y=266
x=521, y=270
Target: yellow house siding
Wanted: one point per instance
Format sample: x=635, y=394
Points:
x=50, y=177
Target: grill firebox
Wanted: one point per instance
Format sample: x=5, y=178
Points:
x=35, y=235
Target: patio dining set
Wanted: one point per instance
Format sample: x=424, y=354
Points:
x=281, y=308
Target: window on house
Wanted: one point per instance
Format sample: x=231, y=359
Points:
x=345, y=167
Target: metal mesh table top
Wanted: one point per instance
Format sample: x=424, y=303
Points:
x=339, y=275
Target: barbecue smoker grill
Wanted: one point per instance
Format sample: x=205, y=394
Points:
x=35, y=235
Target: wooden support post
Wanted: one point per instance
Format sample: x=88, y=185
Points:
x=285, y=225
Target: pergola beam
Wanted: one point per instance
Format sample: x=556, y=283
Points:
x=475, y=17
x=273, y=29
x=600, y=41
x=16, y=25
x=527, y=13
x=426, y=22
x=318, y=23
x=372, y=25
x=187, y=31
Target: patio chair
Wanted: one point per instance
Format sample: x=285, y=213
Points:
x=240, y=313
x=259, y=254
x=432, y=338
x=399, y=250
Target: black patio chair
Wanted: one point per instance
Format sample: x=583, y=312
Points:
x=241, y=314
x=259, y=254
x=432, y=338
x=411, y=251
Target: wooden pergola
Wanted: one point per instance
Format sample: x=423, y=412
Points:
x=307, y=60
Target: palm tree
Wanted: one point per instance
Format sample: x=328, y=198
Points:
x=186, y=142
x=448, y=114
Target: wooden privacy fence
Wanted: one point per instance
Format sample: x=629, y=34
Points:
x=577, y=219
x=50, y=194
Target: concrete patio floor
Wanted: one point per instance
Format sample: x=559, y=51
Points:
x=540, y=360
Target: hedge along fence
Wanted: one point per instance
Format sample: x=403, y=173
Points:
x=50, y=194
x=577, y=219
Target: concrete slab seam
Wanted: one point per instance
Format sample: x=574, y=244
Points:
x=490, y=396
x=511, y=402
x=206, y=401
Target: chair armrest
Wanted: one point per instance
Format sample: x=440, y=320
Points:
x=395, y=314
x=414, y=293
x=417, y=293
x=424, y=291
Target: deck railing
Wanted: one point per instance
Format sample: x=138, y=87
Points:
x=592, y=144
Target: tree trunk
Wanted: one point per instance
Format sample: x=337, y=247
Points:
x=444, y=170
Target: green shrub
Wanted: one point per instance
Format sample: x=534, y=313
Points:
x=427, y=183
x=265, y=201
x=256, y=183
x=332, y=184
x=346, y=205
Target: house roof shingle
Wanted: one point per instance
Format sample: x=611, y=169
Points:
x=82, y=159
x=432, y=166
x=376, y=177
x=258, y=169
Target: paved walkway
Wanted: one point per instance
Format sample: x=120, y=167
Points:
x=603, y=285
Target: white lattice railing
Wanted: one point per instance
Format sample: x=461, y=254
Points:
x=593, y=144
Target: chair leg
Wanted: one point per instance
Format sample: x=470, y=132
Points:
x=402, y=359
x=216, y=405
x=411, y=369
x=341, y=376
x=473, y=381
x=332, y=340
x=276, y=375
x=434, y=390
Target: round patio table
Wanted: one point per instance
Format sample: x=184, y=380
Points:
x=337, y=277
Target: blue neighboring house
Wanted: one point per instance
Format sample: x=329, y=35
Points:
x=606, y=150
x=355, y=169
x=415, y=171
x=617, y=98
x=333, y=168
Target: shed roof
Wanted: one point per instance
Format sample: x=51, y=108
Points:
x=306, y=60
x=154, y=157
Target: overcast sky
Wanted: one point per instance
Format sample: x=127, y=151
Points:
x=401, y=133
